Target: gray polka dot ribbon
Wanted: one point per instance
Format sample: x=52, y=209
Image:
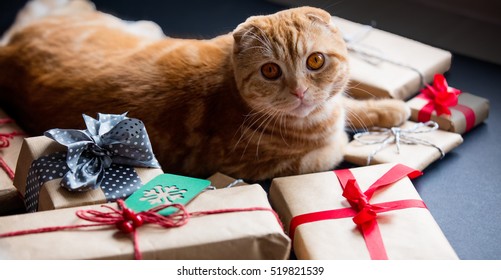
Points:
x=104, y=155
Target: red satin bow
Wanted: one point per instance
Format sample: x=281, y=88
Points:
x=358, y=200
x=440, y=97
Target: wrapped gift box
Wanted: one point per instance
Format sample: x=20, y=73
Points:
x=407, y=233
x=52, y=195
x=470, y=112
x=371, y=76
x=417, y=155
x=9, y=152
x=238, y=235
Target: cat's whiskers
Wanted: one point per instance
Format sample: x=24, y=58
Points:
x=364, y=123
x=254, y=112
x=267, y=121
x=354, y=115
x=277, y=118
x=348, y=125
x=242, y=129
x=360, y=120
x=282, y=123
x=350, y=86
x=263, y=118
x=250, y=120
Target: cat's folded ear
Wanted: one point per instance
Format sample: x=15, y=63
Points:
x=241, y=30
x=252, y=29
x=244, y=30
x=316, y=14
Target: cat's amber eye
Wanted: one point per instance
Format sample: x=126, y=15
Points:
x=315, y=61
x=271, y=71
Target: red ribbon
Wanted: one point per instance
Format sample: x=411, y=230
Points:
x=441, y=98
x=5, y=143
x=128, y=221
x=364, y=213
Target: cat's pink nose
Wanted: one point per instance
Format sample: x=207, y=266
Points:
x=299, y=92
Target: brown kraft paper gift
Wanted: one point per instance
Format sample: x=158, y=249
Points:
x=52, y=196
x=371, y=76
x=409, y=233
x=238, y=235
x=417, y=156
x=477, y=106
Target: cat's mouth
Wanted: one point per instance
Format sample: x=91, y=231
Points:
x=299, y=108
x=302, y=109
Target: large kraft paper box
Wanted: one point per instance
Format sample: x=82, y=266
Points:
x=9, y=197
x=409, y=233
x=238, y=235
x=470, y=108
x=417, y=156
x=385, y=79
x=52, y=195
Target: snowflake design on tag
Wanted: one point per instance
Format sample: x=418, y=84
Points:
x=162, y=195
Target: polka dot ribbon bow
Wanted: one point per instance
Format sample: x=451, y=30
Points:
x=104, y=155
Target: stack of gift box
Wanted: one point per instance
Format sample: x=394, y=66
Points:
x=384, y=65
x=109, y=198
x=88, y=194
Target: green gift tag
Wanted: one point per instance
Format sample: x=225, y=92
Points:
x=166, y=189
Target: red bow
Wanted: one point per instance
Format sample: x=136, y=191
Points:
x=440, y=97
x=358, y=200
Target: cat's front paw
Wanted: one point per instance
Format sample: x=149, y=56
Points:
x=391, y=112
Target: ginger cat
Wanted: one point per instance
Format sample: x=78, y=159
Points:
x=266, y=100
